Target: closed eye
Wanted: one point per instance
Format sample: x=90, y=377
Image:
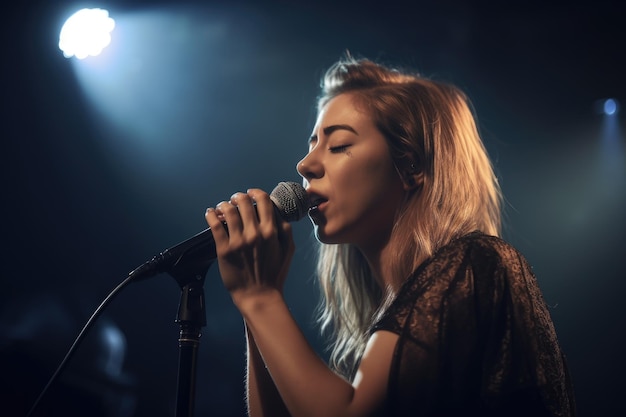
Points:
x=339, y=149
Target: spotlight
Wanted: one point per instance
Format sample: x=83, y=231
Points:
x=86, y=33
x=610, y=107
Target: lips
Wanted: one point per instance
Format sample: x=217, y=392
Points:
x=316, y=204
x=315, y=200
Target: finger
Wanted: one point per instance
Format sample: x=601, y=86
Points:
x=265, y=208
x=285, y=228
x=231, y=218
x=220, y=215
x=214, y=219
x=285, y=237
x=247, y=211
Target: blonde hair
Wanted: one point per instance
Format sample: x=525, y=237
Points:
x=430, y=126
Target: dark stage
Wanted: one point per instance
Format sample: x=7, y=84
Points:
x=107, y=162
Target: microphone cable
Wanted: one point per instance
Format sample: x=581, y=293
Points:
x=79, y=339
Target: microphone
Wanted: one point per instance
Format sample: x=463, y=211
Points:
x=290, y=203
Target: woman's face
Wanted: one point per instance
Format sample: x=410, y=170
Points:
x=350, y=176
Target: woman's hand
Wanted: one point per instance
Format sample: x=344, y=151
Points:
x=255, y=248
x=284, y=372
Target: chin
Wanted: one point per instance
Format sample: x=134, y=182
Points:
x=326, y=238
x=321, y=237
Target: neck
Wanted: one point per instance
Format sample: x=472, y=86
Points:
x=379, y=260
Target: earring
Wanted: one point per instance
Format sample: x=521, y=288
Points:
x=410, y=177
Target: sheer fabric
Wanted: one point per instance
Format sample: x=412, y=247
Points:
x=476, y=338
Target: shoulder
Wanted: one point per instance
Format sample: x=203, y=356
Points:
x=481, y=254
x=478, y=244
x=472, y=268
x=449, y=277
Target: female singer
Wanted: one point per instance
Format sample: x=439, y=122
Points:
x=432, y=314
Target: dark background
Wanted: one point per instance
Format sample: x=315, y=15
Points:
x=90, y=192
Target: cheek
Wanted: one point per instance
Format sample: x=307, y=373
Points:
x=382, y=173
x=366, y=179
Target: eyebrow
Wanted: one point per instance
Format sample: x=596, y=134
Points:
x=332, y=128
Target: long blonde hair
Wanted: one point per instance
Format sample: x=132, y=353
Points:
x=430, y=126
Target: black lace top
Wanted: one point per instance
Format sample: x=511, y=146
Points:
x=476, y=338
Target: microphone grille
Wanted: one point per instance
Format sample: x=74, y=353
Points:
x=291, y=200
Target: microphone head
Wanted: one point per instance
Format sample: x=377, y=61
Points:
x=290, y=200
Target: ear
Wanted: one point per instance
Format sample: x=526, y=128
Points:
x=412, y=180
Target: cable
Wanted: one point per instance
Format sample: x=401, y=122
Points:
x=79, y=339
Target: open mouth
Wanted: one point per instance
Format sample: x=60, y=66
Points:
x=316, y=206
x=316, y=202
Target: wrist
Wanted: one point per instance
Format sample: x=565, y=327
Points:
x=253, y=303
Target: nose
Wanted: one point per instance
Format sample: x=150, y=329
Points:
x=309, y=167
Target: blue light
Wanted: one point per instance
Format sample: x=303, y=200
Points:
x=610, y=106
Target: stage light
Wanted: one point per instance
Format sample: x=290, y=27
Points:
x=610, y=106
x=86, y=33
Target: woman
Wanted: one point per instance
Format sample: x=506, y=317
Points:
x=432, y=314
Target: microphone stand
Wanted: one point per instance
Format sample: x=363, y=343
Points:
x=188, y=263
x=189, y=271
